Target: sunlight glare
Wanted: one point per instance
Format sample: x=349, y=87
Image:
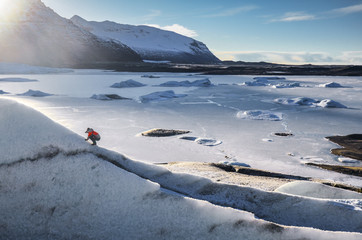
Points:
x=9, y=9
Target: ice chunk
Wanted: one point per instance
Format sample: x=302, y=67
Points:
x=347, y=160
x=258, y=82
x=35, y=93
x=149, y=76
x=327, y=103
x=331, y=85
x=128, y=84
x=198, y=83
x=160, y=96
x=260, y=115
x=304, y=101
x=208, y=142
x=2, y=92
x=287, y=85
x=108, y=97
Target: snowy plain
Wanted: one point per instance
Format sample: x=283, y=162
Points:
x=209, y=113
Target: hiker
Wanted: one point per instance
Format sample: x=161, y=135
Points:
x=92, y=135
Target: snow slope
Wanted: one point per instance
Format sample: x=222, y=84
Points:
x=59, y=187
x=151, y=43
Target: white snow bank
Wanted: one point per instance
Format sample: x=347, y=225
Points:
x=108, y=97
x=331, y=85
x=25, y=132
x=304, y=101
x=77, y=194
x=17, y=80
x=260, y=115
x=197, y=83
x=160, y=96
x=128, y=84
x=272, y=206
x=35, y=93
x=317, y=190
x=17, y=68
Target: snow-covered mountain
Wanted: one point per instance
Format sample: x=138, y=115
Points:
x=149, y=42
x=34, y=34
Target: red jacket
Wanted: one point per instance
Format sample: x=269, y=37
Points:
x=92, y=133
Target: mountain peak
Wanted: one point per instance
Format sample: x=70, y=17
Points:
x=27, y=11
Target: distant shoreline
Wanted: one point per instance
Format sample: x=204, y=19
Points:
x=230, y=68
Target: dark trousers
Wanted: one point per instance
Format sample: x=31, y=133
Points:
x=93, y=138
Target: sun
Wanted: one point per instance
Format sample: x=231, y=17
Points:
x=9, y=9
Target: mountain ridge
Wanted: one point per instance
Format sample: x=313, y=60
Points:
x=149, y=42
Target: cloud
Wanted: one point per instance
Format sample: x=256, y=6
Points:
x=348, y=10
x=153, y=14
x=351, y=57
x=295, y=16
x=177, y=29
x=232, y=11
x=303, y=16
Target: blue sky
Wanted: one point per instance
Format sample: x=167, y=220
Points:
x=282, y=31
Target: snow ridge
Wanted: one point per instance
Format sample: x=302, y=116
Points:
x=150, y=42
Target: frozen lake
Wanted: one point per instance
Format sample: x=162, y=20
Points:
x=243, y=117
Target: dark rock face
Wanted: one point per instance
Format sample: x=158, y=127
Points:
x=352, y=146
x=355, y=171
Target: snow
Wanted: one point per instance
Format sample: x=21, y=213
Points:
x=197, y=83
x=35, y=93
x=210, y=114
x=260, y=115
x=59, y=187
x=128, y=84
x=160, y=96
x=317, y=190
x=2, y=92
